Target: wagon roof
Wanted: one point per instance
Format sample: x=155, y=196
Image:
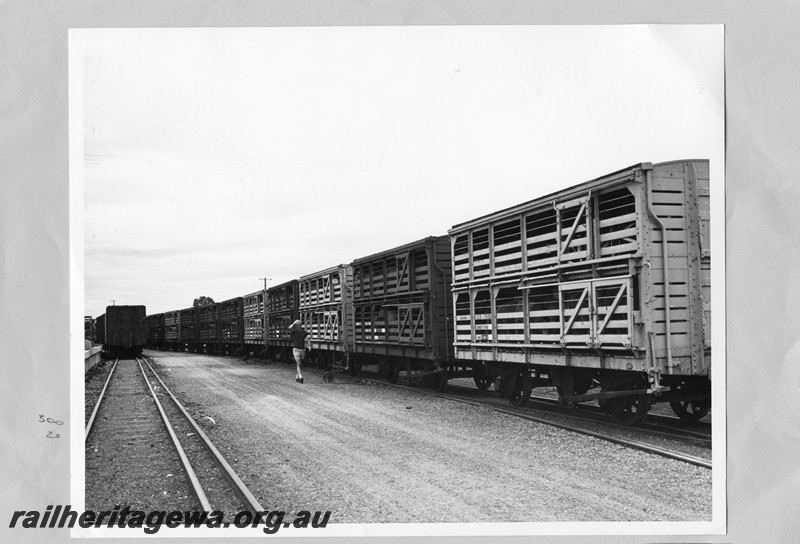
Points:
x=324, y=271
x=282, y=285
x=404, y=247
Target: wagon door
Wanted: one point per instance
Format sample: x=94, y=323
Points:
x=574, y=240
x=412, y=324
x=576, y=314
x=612, y=300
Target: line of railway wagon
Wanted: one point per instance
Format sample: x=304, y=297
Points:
x=564, y=291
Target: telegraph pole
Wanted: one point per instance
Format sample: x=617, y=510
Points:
x=265, y=282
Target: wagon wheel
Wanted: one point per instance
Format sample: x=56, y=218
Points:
x=393, y=373
x=691, y=410
x=483, y=382
x=520, y=389
x=437, y=382
x=352, y=366
x=328, y=362
x=630, y=410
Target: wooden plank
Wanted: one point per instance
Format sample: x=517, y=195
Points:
x=549, y=237
x=619, y=249
x=662, y=198
x=542, y=251
x=615, y=235
x=573, y=255
x=617, y=220
x=668, y=184
x=620, y=339
x=544, y=313
x=510, y=245
x=507, y=269
x=554, y=338
x=544, y=326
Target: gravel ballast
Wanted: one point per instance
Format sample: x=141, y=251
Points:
x=371, y=453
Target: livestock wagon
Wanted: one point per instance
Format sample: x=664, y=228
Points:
x=100, y=329
x=88, y=327
x=155, y=331
x=230, y=336
x=601, y=290
x=172, y=330
x=253, y=319
x=402, y=311
x=122, y=330
x=207, y=327
x=282, y=310
x=325, y=309
x=188, y=336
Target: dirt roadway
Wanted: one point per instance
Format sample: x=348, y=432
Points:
x=371, y=453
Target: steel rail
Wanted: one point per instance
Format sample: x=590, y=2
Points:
x=89, y=423
x=198, y=489
x=650, y=427
x=227, y=470
x=691, y=459
x=697, y=461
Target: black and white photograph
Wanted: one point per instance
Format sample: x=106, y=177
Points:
x=381, y=281
x=399, y=271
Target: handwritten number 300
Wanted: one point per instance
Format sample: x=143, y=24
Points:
x=50, y=434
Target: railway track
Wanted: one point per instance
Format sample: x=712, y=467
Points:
x=138, y=419
x=654, y=425
x=674, y=442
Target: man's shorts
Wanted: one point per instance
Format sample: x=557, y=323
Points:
x=299, y=355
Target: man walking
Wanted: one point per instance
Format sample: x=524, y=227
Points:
x=298, y=337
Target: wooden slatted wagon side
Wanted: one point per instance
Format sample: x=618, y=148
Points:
x=401, y=307
x=230, y=329
x=569, y=290
x=188, y=330
x=156, y=332
x=253, y=321
x=282, y=310
x=325, y=307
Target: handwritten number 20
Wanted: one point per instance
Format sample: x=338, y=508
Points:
x=51, y=435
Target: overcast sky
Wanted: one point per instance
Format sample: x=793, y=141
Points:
x=215, y=157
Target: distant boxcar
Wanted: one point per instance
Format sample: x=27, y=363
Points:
x=402, y=310
x=569, y=290
x=88, y=327
x=122, y=330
